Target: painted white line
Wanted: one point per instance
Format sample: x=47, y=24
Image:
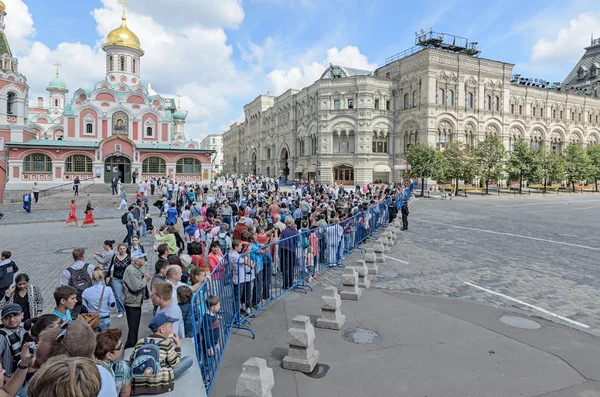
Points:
x=585, y=208
x=528, y=305
x=549, y=203
x=394, y=259
x=510, y=234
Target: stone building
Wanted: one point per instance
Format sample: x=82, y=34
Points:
x=214, y=142
x=354, y=126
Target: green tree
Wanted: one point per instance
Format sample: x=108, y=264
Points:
x=424, y=163
x=578, y=164
x=490, y=159
x=549, y=166
x=521, y=163
x=458, y=163
x=593, y=152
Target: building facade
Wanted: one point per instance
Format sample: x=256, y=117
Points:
x=214, y=142
x=116, y=128
x=354, y=127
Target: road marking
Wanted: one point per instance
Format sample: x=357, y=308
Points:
x=550, y=202
x=529, y=305
x=394, y=259
x=586, y=208
x=510, y=234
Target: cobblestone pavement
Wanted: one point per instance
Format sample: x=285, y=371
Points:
x=540, y=251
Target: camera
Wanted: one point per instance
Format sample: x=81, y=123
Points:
x=32, y=349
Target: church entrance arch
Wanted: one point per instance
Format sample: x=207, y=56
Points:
x=344, y=175
x=117, y=166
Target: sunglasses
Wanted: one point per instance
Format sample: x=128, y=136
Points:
x=61, y=337
x=118, y=348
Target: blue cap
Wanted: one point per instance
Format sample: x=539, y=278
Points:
x=161, y=319
x=269, y=220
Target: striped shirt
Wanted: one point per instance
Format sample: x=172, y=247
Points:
x=170, y=357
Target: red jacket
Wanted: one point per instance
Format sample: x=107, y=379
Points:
x=237, y=231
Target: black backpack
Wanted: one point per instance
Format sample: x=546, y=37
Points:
x=124, y=218
x=80, y=280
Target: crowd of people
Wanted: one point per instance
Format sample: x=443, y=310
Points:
x=273, y=237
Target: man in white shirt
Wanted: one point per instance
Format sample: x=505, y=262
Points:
x=174, y=274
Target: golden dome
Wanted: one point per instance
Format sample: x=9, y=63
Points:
x=2, y=6
x=123, y=37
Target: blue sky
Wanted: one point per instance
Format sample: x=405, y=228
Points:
x=221, y=54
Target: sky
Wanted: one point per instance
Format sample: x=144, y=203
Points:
x=221, y=54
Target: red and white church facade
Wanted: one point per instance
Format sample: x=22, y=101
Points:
x=117, y=128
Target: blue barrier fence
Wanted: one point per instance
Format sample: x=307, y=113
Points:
x=250, y=280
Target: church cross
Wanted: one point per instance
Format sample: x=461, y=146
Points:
x=57, y=65
x=123, y=3
x=178, y=101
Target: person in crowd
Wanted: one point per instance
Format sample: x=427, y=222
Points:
x=179, y=242
x=115, y=273
x=26, y=295
x=8, y=269
x=129, y=224
x=123, y=194
x=239, y=228
x=135, y=247
x=76, y=183
x=98, y=298
x=172, y=364
x=89, y=215
x=194, y=250
x=211, y=325
x=35, y=189
x=113, y=185
x=256, y=256
x=104, y=258
x=174, y=274
x=242, y=275
x=185, y=262
x=404, y=210
x=392, y=210
x=184, y=297
x=333, y=237
x=78, y=276
x=72, y=218
x=27, y=202
x=64, y=376
x=109, y=350
x=160, y=268
x=135, y=290
x=171, y=215
x=11, y=335
x=35, y=326
x=65, y=298
x=166, y=235
x=287, y=252
x=185, y=216
x=162, y=297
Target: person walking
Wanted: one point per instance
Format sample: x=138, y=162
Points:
x=89, y=216
x=100, y=299
x=152, y=186
x=72, y=215
x=36, y=191
x=76, y=183
x=115, y=273
x=123, y=195
x=27, y=202
x=135, y=284
x=405, y=213
x=129, y=225
x=8, y=269
x=105, y=258
x=113, y=185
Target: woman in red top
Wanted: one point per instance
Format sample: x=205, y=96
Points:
x=214, y=257
x=194, y=250
x=72, y=215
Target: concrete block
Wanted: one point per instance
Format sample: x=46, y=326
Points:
x=302, y=355
x=256, y=380
x=363, y=274
x=350, y=289
x=331, y=315
x=379, y=251
x=390, y=234
x=370, y=256
x=386, y=244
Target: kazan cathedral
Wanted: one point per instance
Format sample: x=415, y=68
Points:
x=114, y=129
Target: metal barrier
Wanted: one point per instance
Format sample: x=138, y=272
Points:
x=248, y=281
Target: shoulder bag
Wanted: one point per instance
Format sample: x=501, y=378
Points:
x=93, y=319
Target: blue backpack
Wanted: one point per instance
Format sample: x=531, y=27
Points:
x=146, y=362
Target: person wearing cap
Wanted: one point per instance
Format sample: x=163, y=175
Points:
x=11, y=335
x=172, y=364
x=135, y=283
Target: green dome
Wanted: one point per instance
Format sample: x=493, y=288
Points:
x=57, y=83
x=179, y=115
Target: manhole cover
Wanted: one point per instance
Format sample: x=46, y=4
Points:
x=291, y=296
x=520, y=322
x=360, y=336
x=64, y=251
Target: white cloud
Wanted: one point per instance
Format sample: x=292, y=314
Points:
x=569, y=41
x=19, y=25
x=298, y=77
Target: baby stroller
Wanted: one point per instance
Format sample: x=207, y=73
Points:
x=148, y=222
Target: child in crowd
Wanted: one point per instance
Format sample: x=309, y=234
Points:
x=65, y=297
x=184, y=297
x=211, y=325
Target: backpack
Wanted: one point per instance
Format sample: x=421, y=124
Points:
x=223, y=244
x=124, y=218
x=80, y=280
x=146, y=361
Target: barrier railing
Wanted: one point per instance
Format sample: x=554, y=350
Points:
x=248, y=281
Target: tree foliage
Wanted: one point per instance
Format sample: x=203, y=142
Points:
x=549, y=166
x=578, y=164
x=424, y=162
x=459, y=163
x=521, y=163
x=593, y=152
x=490, y=159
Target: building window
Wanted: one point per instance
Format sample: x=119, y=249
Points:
x=415, y=99
x=37, y=162
x=56, y=102
x=553, y=113
x=336, y=104
x=488, y=102
x=512, y=108
x=590, y=118
x=520, y=110
x=406, y=101
x=122, y=63
x=533, y=110
x=387, y=75
x=560, y=115
x=148, y=131
x=388, y=105
x=450, y=98
x=78, y=163
x=350, y=103
x=573, y=116
x=89, y=128
x=110, y=63
x=10, y=102
x=133, y=65
x=380, y=143
x=496, y=104
x=442, y=141
x=154, y=165
x=343, y=143
x=376, y=103
x=440, y=96
x=188, y=166
x=470, y=100
x=579, y=117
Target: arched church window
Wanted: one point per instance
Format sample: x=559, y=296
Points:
x=134, y=64
x=148, y=131
x=122, y=64
x=89, y=128
x=56, y=102
x=110, y=63
x=10, y=102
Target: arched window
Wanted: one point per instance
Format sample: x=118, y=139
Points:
x=406, y=101
x=188, y=166
x=380, y=143
x=440, y=98
x=488, y=102
x=148, y=131
x=89, y=128
x=496, y=104
x=133, y=65
x=122, y=63
x=469, y=100
x=154, y=165
x=37, y=162
x=10, y=102
x=343, y=142
x=110, y=63
x=78, y=163
x=450, y=99
x=415, y=98
x=55, y=102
